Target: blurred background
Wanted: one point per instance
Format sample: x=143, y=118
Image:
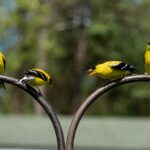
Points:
x=66, y=38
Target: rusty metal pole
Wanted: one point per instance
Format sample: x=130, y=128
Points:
x=46, y=106
x=91, y=99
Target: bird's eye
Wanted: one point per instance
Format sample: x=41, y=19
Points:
x=93, y=67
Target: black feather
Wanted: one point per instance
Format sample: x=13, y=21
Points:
x=123, y=66
x=93, y=68
x=36, y=73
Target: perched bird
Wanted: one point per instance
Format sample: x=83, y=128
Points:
x=36, y=77
x=111, y=70
x=147, y=59
x=2, y=68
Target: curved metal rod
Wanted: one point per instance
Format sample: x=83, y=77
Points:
x=91, y=99
x=46, y=106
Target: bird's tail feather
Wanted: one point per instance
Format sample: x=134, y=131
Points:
x=124, y=66
x=131, y=68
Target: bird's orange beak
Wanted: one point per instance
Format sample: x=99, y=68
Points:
x=91, y=72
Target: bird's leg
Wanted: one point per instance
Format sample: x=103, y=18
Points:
x=107, y=82
x=116, y=80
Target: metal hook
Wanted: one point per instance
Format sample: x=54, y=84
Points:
x=46, y=106
x=92, y=98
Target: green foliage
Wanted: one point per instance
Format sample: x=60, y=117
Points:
x=113, y=30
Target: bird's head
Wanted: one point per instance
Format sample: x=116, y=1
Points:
x=1, y=55
x=92, y=71
x=148, y=46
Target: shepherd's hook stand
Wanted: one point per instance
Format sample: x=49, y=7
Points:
x=80, y=112
x=91, y=99
x=46, y=106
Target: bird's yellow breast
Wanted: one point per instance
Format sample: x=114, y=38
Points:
x=37, y=82
x=2, y=68
x=147, y=57
x=147, y=61
x=105, y=71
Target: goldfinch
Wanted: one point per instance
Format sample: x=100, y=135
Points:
x=2, y=68
x=111, y=70
x=36, y=77
x=147, y=59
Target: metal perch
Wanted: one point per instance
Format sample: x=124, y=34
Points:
x=46, y=106
x=80, y=112
x=91, y=99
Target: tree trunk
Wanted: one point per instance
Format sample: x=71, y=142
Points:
x=42, y=41
x=79, y=58
x=41, y=62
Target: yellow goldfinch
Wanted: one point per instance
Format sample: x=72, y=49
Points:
x=111, y=70
x=36, y=77
x=2, y=68
x=147, y=59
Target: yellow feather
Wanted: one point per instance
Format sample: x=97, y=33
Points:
x=106, y=70
x=2, y=65
x=147, y=59
x=2, y=68
x=39, y=81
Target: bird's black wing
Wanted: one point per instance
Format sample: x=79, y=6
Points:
x=36, y=73
x=123, y=66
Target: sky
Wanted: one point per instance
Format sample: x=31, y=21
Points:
x=6, y=42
